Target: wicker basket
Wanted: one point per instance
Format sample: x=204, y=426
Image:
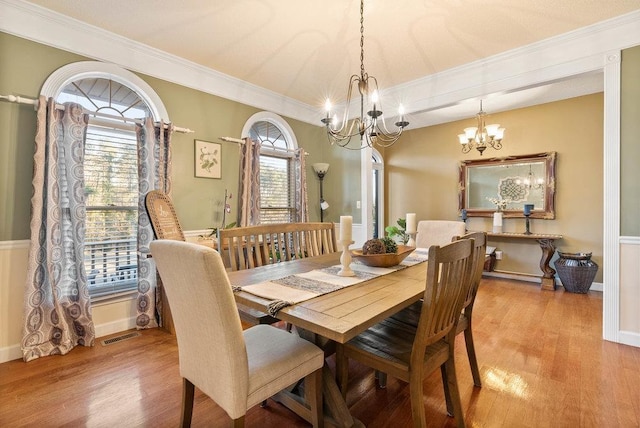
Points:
x=576, y=271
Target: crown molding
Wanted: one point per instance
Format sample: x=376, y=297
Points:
x=575, y=53
x=557, y=58
x=50, y=28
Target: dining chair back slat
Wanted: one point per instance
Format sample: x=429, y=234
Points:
x=253, y=246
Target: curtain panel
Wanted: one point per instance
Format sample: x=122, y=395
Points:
x=249, y=186
x=301, y=197
x=154, y=173
x=57, y=305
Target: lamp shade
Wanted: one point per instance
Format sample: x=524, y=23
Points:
x=320, y=168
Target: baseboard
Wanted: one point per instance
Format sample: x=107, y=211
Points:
x=595, y=286
x=14, y=352
x=9, y=353
x=629, y=338
x=115, y=326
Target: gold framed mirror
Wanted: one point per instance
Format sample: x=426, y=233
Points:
x=512, y=181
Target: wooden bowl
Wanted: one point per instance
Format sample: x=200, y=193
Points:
x=383, y=260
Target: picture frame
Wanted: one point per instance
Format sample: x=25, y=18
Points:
x=207, y=159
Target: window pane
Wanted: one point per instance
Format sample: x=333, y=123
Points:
x=111, y=187
x=276, y=201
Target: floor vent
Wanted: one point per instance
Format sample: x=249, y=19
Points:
x=120, y=338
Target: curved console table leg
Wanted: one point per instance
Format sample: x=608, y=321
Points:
x=548, y=280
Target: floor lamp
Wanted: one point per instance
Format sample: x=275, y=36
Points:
x=321, y=170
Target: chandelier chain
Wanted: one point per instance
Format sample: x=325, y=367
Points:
x=362, y=38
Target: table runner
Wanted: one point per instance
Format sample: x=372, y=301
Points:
x=292, y=289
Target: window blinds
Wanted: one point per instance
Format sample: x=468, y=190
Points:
x=111, y=190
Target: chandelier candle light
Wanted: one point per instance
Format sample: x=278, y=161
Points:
x=370, y=127
x=482, y=136
x=346, y=224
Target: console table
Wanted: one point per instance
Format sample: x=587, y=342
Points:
x=546, y=242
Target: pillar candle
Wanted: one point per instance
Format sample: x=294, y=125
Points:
x=346, y=222
x=411, y=222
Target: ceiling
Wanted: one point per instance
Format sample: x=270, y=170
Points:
x=306, y=50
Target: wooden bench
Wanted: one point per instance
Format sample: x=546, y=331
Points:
x=253, y=246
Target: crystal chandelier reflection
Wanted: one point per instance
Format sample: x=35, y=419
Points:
x=482, y=136
x=370, y=125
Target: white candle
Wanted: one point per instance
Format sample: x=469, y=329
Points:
x=411, y=222
x=345, y=227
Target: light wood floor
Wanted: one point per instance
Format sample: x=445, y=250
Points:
x=543, y=364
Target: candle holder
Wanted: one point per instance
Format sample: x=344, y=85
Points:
x=527, y=231
x=345, y=259
x=527, y=212
x=412, y=239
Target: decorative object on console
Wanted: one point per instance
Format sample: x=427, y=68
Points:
x=463, y=216
x=321, y=170
x=370, y=128
x=497, y=222
x=482, y=136
x=527, y=213
x=576, y=271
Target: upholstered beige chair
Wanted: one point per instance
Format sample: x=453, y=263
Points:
x=410, y=353
x=236, y=369
x=438, y=232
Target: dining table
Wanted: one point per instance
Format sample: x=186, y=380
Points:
x=334, y=317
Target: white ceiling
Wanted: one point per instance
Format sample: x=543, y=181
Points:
x=306, y=50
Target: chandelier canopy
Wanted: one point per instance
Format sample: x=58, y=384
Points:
x=370, y=125
x=482, y=136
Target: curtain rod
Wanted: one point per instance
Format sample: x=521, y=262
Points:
x=241, y=141
x=34, y=103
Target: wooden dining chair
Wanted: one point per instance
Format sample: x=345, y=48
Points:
x=411, y=314
x=165, y=225
x=438, y=232
x=237, y=369
x=410, y=353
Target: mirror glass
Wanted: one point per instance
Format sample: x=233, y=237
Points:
x=509, y=183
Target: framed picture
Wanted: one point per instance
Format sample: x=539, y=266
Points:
x=208, y=158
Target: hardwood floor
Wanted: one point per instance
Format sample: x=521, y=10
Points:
x=542, y=359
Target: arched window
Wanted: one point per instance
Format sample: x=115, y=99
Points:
x=110, y=167
x=277, y=169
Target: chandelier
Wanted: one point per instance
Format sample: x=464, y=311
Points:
x=369, y=126
x=482, y=136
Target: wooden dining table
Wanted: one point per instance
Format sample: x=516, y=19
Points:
x=334, y=317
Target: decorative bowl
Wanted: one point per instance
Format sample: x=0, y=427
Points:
x=383, y=260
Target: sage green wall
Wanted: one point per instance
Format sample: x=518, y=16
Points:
x=422, y=176
x=24, y=67
x=629, y=147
